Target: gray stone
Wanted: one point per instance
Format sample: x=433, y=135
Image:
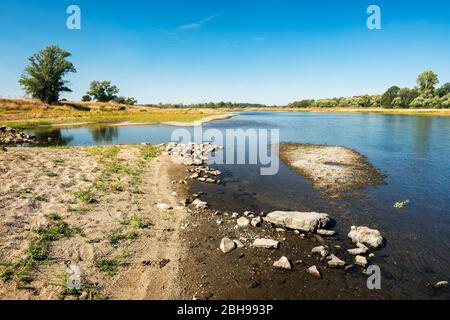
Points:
x=361, y=249
x=227, y=245
x=326, y=233
x=322, y=250
x=266, y=243
x=200, y=204
x=303, y=221
x=256, y=222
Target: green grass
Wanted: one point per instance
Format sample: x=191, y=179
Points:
x=139, y=222
x=78, y=210
x=108, y=266
x=49, y=174
x=114, y=236
x=58, y=162
x=85, y=196
x=38, y=249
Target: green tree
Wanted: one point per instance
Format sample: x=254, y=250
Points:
x=426, y=81
x=444, y=90
x=388, y=97
x=43, y=78
x=103, y=91
x=86, y=98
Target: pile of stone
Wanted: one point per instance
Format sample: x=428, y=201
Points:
x=10, y=136
x=190, y=154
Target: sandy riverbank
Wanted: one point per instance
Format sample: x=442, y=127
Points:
x=92, y=208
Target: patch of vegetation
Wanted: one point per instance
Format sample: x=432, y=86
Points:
x=78, y=210
x=39, y=248
x=85, y=196
x=108, y=266
x=115, y=236
x=49, y=174
x=401, y=204
x=3, y=149
x=139, y=222
x=58, y=162
x=6, y=271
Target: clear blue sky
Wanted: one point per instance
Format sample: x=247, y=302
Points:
x=267, y=51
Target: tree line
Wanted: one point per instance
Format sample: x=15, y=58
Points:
x=44, y=79
x=425, y=95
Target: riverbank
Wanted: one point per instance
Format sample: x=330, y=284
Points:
x=92, y=210
x=25, y=114
x=413, y=112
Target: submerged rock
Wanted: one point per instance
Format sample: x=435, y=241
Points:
x=283, y=263
x=441, y=285
x=266, y=243
x=303, y=221
x=327, y=233
x=365, y=235
x=227, y=245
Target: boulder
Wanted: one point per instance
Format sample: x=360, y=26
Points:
x=283, y=263
x=365, y=235
x=266, y=243
x=314, y=271
x=227, y=245
x=303, y=221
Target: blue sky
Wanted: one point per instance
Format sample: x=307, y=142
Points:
x=265, y=51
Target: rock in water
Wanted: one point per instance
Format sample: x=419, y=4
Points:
x=365, y=235
x=361, y=249
x=361, y=261
x=266, y=243
x=303, y=221
x=335, y=262
x=243, y=222
x=441, y=285
x=227, y=245
x=314, y=271
x=283, y=263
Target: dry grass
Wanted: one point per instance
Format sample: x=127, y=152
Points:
x=23, y=113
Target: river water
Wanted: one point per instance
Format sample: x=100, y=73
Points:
x=413, y=152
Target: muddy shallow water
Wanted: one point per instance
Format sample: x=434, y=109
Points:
x=413, y=152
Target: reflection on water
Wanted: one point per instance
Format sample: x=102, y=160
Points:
x=413, y=152
x=104, y=134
